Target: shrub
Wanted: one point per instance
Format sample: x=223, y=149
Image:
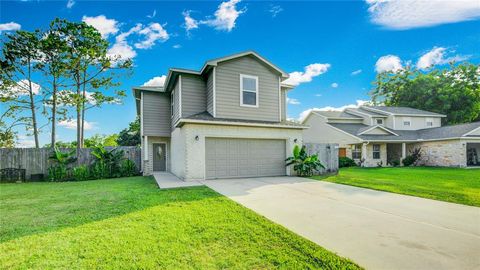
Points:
x=346, y=162
x=57, y=173
x=395, y=163
x=412, y=159
x=302, y=163
x=99, y=170
x=128, y=168
x=107, y=162
x=81, y=173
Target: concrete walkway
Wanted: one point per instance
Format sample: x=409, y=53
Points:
x=167, y=180
x=377, y=230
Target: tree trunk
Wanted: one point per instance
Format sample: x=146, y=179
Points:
x=54, y=110
x=79, y=112
x=32, y=107
x=82, y=132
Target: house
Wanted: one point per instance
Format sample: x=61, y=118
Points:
x=382, y=135
x=227, y=119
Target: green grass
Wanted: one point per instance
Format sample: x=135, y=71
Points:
x=130, y=224
x=444, y=184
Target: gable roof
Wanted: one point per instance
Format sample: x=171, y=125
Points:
x=362, y=112
x=337, y=114
x=393, y=110
x=440, y=133
x=368, y=130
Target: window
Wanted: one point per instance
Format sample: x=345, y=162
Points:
x=429, y=122
x=248, y=91
x=357, y=151
x=407, y=121
x=376, y=151
x=379, y=121
x=172, y=102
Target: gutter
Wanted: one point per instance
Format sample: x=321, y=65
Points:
x=226, y=123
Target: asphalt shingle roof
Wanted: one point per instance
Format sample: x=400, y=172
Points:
x=402, y=110
x=336, y=114
x=205, y=116
x=453, y=131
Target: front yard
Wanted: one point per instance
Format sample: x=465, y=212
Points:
x=444, y=184
x=129, y=223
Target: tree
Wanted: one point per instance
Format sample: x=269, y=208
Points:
x=20, y=51
x=131, y=135
x=454, y=91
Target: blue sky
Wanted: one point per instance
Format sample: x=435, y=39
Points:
x=333, y=49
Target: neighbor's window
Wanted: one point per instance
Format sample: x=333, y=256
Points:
x=407, y=121
x=172, y=101
x=376, y=151
x=248, y=90
x=379, y=121
x=357, y=152
x=429, y=122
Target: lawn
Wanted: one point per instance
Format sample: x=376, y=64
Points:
x=129, y=223
x=444, y=184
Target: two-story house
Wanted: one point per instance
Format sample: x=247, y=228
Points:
x=381, y=136
x=227, y=119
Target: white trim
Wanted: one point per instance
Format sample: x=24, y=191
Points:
x=214, y=92
x=376, y=121
x=180, y=96
x=172, y=104
x=471, y=131
x=280, y=101
x=226, y=123
x=145, y=150
x=378, y=126
x=393, y=119
x=141, y=113
x=257, y=101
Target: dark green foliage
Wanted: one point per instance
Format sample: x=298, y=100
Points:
x=454, y=92
x=107, y=163
x=346, y=162
x=131, y=135
x=412, y=159
x=128, y=168
x=60, y=169
x=58, y=173
x=81, y=173
x=395, y=163
x=304, y=164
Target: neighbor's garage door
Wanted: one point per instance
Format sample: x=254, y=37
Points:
x=227, y=157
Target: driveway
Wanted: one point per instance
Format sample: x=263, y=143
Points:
x=377, y=230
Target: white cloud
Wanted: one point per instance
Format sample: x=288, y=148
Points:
x=72, y=124
x=293, y=101
x=153, y=14
x=24, y=142
x=436, y=56
x=356, y=72
x=225, y=16
x=152, y=33
x=190, y=23
x=177, y=46
x=70, y=3
x=21, y=88
x=156, y=81
x=310, y=71
x=388, y=63
x=274, y=10
x=11, y=26
x=334, y=85
x=105, y=26
x=330, y=108
x=407, y=14
x=121, y=51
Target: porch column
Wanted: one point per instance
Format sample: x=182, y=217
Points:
x=364, y=154
x=145, y=148
x=404, y=152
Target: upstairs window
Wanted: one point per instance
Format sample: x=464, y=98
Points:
x=248, y=91
x=379, y=121
x=376, y=151
x=407, y=121
x=429, y=122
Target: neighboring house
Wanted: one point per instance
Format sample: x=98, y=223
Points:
x=226, y=120
x=381, y=135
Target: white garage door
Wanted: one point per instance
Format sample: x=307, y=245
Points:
x=229, y=158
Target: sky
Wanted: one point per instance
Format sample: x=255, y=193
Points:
x=331, y=49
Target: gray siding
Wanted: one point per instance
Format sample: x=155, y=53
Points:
x=283, y=100
x=210, y=92
x=193, y=95
x=227, y=92
x=156, y=114
x=176, y=103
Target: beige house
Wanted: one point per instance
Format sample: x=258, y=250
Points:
x=227, y=119
x=380, y=136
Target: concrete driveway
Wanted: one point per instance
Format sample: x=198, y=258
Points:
x=377, y=230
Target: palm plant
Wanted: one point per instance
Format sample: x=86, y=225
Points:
x=107, y=162
x=304, y=164
x=63, y=158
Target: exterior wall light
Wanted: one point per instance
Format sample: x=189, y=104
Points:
x=295, y=140
x=197, y=138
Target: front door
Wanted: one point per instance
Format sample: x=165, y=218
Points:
x=159, y=157
x=342, y=152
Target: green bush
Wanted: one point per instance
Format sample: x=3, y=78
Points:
x=395, y=163
x=81, y=173
x=128, y=168
x=346, y=162
x=412, y=159
x=304, y=164
x=58, y=173
x=100, y=170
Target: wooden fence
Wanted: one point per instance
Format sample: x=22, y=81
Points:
x=327, y=153
x=36, y=161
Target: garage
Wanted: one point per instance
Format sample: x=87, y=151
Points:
x=238, y=157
